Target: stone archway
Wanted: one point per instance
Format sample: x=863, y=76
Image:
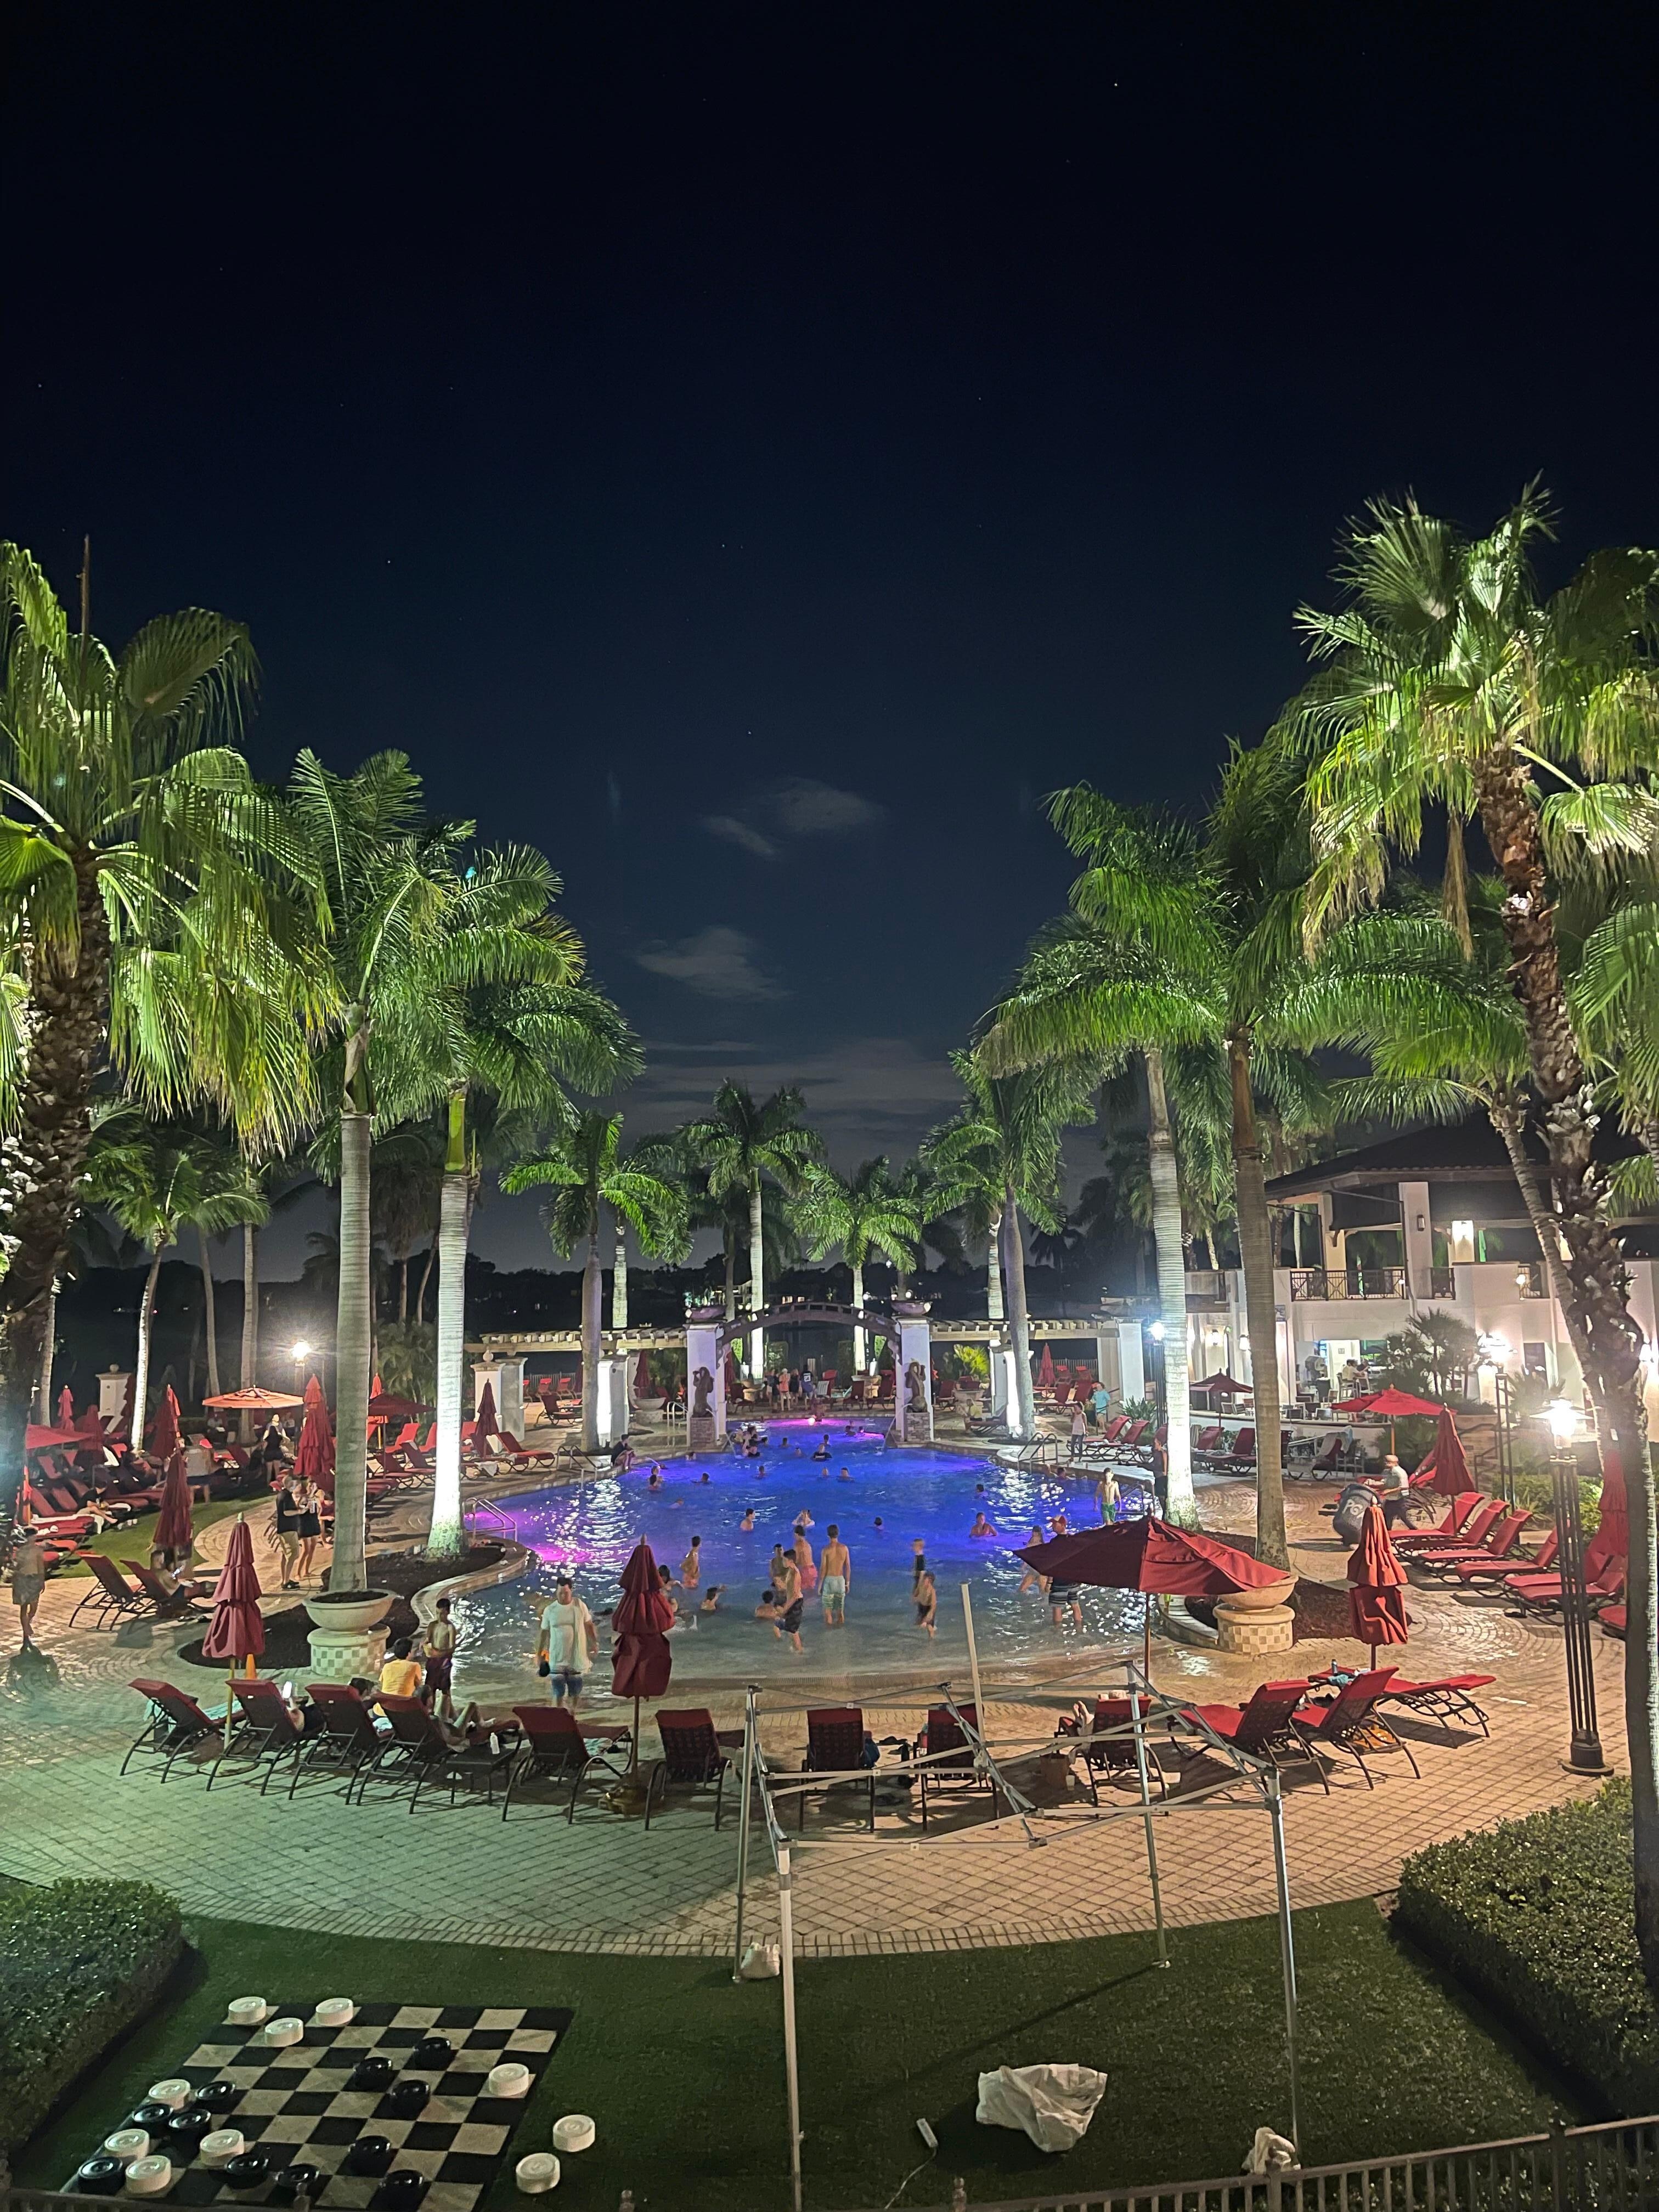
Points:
x=709, y=1335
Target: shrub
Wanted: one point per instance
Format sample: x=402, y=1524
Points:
x=79, y=1963
x=1538, y=1916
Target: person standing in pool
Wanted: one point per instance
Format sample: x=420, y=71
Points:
x=926, y=1594
x=803, y=1560
x=918, y=1563
x=691, y=1565
x=1033, y=1579
x=793, y=1602
x=746, y=1526
x=823, y=1451
x=837, y=1575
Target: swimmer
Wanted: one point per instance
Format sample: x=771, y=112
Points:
x=1059, y=1524
x=823, y=1451
x=979, y=1489
x=711, y=1599
x=926, y=1594
x=877, y=1521
x=843, y=1476
x=1033, y=1579
x=982, y=1527
x=804, y=1518
x=919, y=1561
x=653, y=1480
x=746, y=1526
x=703, y=1477
x=760, y=1474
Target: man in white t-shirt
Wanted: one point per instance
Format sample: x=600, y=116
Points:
x=1396, y=1491
x=569, y=1642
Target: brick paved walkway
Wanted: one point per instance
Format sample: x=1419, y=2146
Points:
x=604, y=1884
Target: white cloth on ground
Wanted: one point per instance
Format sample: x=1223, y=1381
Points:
x=1053, y=2104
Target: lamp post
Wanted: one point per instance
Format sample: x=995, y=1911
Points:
x=1584, y=1756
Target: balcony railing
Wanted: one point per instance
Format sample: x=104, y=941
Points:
x=1334, y=1283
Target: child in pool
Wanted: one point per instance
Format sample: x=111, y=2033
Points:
x=843, y=1476
x=926, y=1594
x=746, y=1526
x=982, y=1527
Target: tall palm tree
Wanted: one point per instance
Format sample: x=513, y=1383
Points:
x=863, y=1213
x=155, y=1178
x=587, y=1172
x=1007, y=1139
x=224, y=1168
x=1448, y=684
x=148, y=921
x=742, y=1146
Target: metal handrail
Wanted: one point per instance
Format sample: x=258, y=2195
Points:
x=472, y=1507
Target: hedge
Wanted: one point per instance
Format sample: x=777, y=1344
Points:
x=79, y=1963
x=1538, y=1916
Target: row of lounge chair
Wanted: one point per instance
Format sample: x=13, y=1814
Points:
x=1479, y=1545
x=113, y=1598
x=1280, y=1722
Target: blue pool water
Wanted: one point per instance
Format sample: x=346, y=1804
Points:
x=592, y=1526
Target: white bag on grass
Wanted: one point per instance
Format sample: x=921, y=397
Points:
x=761, y=1961
x=1053, y=2105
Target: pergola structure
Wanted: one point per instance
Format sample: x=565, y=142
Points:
x=1023, y=1826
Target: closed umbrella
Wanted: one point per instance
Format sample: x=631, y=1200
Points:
x=1045, y=1374
x=1376, y=1591
x=640, y=1628
x=124, y=1427
x=173, y=1533
x=643, y=1378
x=1447, y=1468
x=314, y=1457
x=1612, y=1537
x=236, y=1632
x=1154, y=1556
x=731, y=1373
x=164, y=1429
x=66, y=1407
x=485, y=1421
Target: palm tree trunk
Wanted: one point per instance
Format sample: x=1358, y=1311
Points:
x=68, y=1022
x=426, y=1277
x=444, y=1536
x=592, y=1298
x=141, y=1371
x=48, y=1348
x=352, y=1334
x=1607, y=1339
x=619, y=1275
x=403, y=1290
x=995, y=1312
x=209, y=1313
x=858, y=1307
x=1171, y=1292
x=1255, y=1250
x=756, y=1280
x=1024, y=1425
x=1506, y=1117
x=731, y=1243
x=250, y=1306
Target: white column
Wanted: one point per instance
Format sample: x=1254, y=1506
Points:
x=1130, y=1360
x=915, y=1378
x=999, y=1359
x=703, y=1354
x=510, y=1396
x=1419, y=1238
x=112, y=1391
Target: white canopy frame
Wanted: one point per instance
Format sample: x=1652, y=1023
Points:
x=1033, y=1827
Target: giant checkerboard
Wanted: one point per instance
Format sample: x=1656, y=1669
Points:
x=296, y=2106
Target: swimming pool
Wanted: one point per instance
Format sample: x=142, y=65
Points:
x=892, y=1496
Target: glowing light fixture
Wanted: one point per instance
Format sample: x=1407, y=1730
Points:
x=1563, y=1418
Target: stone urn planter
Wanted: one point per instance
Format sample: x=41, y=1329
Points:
x=1256, y=1621
x=346, y=1642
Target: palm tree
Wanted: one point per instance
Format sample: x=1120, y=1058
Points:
x=865, y=1213
x=966, y=1185
x=585, y=1168
x=148, y=921
x=155, y=1178
x=1006, y=1137
x=1448, y=683
x=743, y=1147
x=227, y=1169
x=406, y=1173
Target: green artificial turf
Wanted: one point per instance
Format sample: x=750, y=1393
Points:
x=134, y=1540
x=684, y=2071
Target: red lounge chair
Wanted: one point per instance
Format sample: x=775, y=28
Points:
x=164, y=1603
x=1114, y=1428
x=419, y=1750
x=1113, y=1754
x=834, y=1745
x=1243, y=1453
x=1446, y=1699
x=1352, y=1724
x=1470, y=1517
x=1503, y=1541
x=269, y=1729
x=1262, y=1728
x=346, y=1734
x=959, y=1767
x=1208, y=1441
x=694, y=1754
x=1541, y=1594
x=555, y=1746
x=111, y=1597
x=1475, y=1571
x=1329, y=1460
x=176, y=1724
x=1129, y=1440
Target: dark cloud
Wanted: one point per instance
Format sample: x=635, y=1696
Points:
x=717, y=962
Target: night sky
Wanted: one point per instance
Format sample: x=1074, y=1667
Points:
x=755, y=455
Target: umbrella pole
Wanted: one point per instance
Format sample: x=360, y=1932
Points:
x=791, y=2056
x=743, y=1826
x=634, y=1748
x=1146, y=1639
x=1274, y=1785
x=1139, y=1725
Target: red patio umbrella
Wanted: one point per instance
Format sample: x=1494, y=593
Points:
x=236, y=1632
x=124, y=1427
x=313, y=1458
x=1225, y=1384
x=1376, y=1591
x=387, y=1406
x=640, y=1628
x=164, y=1429
x=1446, y=1469
x=731, y=1372
x=66, y=1407
x=255, y=1400
x=642, y=1376
x=91, y=1423
x=1154, y=1556
x=1389, y=1405
x=1045, y=1374
x=173, y=1527
x=35, y=1438
x=485, y=1421
x=1612, y=1537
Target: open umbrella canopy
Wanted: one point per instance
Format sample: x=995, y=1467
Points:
x=315, y=1456
x=485, y=1422
x=1152, y=1555
x=1225, y=1384
x=172, y=1527
x=237, y=1630
x=254, y=1400
x=164, y=1429
x=36, y=1438
x=1390, y=1405
x=640, y=1625
x=1377, y=1594
x=386, y=1405
x=1446, y=1469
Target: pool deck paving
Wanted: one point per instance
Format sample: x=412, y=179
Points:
x=607, y=1884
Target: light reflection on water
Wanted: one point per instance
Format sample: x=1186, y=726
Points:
x=592, y=1526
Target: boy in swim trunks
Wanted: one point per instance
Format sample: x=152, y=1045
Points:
x=837, y=1573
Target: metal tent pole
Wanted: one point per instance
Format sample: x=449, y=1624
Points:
x=1140, y=1725
x=743, y=1824
x=978, y=1695
x=1275, y=1793
x=790, y=2058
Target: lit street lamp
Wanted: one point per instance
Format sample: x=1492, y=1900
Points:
x=1584, y=1756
